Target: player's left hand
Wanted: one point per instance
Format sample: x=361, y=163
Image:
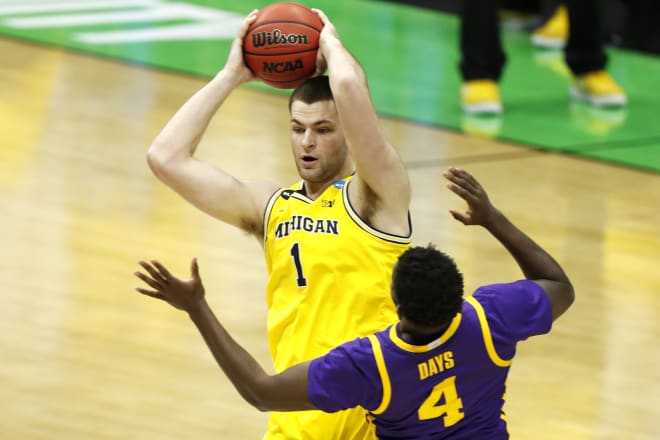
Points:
x=327, y=37
x=480, y=210
x=321, y=63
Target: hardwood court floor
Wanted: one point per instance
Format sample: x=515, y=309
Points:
x=84, y=357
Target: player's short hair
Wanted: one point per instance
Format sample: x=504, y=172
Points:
x=427, y=286
x=312, y=90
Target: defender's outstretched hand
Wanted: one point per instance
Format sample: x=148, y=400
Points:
x=480, y=211
x=534, y=261
x=179, y=293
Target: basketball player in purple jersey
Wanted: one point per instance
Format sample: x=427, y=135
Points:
x=440, y=371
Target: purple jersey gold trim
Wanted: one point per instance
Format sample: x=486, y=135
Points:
x=451, y=388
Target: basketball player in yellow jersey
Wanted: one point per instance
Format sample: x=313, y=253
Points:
x=330, y=240
x=333, y=284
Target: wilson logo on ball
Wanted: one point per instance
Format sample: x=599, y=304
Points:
x=281, y=45
x=276, y=38
x=287, y=66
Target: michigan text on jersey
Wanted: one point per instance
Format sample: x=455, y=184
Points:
x=307, y=224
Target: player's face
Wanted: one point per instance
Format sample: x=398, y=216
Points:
x=318, y=143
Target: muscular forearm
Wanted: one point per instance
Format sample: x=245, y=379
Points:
x=341, y=63
x=377, y=162
x=533, y=260
x=240, y=367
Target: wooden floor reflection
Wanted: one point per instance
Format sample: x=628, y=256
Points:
x=85, y=357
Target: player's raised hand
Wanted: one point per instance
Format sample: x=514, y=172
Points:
x=235, y=63
x=327, y=36
x=480, y=211
x=183, y=294
x=329, y=29
x=321, y=63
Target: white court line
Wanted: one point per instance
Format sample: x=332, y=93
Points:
x=162, y=12
x=12, y=7
x=224, y=29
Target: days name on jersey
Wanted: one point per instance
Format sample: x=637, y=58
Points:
x=436, y=364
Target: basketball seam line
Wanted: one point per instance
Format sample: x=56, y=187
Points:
x=298, y=78
x=283, y=21
x=245, y=52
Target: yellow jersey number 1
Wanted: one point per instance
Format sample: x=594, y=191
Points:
x=295, y=254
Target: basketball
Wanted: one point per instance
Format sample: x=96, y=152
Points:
x=280, y=46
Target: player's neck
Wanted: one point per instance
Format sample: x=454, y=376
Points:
x=415, y=335
x=314, y=189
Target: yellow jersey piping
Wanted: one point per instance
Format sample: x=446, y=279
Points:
x=384, y=377
x=375, y=232
x=453, y=326
x=488, y=338
x=269, y=209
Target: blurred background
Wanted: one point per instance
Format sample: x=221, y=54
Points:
x=85, y=86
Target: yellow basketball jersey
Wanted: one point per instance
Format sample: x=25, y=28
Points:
x=329, y=282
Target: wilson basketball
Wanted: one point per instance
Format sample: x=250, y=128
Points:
x=281, y=44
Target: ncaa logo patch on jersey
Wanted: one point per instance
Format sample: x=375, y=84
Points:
x=339, y=184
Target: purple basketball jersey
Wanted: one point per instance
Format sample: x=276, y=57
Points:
x=451, y=388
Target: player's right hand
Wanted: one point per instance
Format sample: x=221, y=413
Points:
x=179, y=293
x=235, y=63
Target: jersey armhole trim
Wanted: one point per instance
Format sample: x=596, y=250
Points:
x=382, y=372
x=269, y=209
x=488, y=337
x=373, y=231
